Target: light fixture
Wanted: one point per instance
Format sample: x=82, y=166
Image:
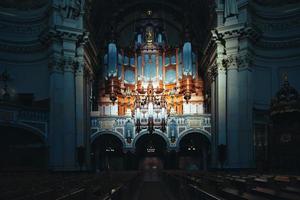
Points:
x=191, y=146
x=150, y=147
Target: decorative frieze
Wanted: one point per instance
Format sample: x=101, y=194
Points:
x=176, y=126
x=71, y=64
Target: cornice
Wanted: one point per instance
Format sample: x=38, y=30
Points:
x=237, y=30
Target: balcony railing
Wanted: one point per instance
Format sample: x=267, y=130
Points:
x=184, y=123
x=34, y=118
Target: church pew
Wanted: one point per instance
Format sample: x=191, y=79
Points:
x=290, y=189
x=274, y=194
x=235, y=194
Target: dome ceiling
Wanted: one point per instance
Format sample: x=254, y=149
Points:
x=175, y=15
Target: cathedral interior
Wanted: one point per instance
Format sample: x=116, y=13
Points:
x=149, y=99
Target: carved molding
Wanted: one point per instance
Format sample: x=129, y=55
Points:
x=229, y=62
x=212, y=72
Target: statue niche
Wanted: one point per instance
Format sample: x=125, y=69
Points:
x=231, y=8
x=149, y=35
x=71, y=9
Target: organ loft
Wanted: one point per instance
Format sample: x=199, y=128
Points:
x=150, y=79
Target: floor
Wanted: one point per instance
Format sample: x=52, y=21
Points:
x=153, y=187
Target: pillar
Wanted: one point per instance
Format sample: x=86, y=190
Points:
x=68, y=123
x=56, y=119
x=69, y=117
x=233, y=99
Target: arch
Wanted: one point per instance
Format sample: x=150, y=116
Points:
x=95, y=135
x=193, y=147
x=22, y=147
x=142, y=133
x=184, y=133
x=28, y=128
x=107, y=149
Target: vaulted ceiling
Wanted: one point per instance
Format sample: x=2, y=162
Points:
x=123, y=15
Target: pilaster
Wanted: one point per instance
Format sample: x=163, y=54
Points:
x=69, y=125
x=56, y=106
x=232, y=95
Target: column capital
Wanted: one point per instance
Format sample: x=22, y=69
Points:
x=244, y=61
x=79, y=68
x=56, y=64
x=230, y=62
x=212, y=72
x=70, y=63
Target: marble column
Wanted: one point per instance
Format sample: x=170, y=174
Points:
x=56, y=119
x=233, y=150
x=220, y=97
x=80, y=117
x=214, y=139
x=69, y=117
x=68, y=124
x=246, y=103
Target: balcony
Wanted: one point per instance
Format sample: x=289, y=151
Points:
x=177, y=126
x=31, y=118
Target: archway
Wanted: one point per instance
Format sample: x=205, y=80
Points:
x=193, y=152
x=22, y=149
x=107, y=153
x=150, y=150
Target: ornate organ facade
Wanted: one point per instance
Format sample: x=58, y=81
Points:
x=150, y=75
x=150, y=87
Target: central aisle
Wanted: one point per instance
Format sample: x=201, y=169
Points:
x=153, y=187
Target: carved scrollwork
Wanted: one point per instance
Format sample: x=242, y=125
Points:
x=229, y=62
x=56, y=64
x=244, y=61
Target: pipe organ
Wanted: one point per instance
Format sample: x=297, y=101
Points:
x=150, y=81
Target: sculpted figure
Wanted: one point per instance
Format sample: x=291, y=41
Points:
x=231, y=8
x=71, y=8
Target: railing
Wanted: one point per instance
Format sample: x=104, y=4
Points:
x=15, y=113
x=33, y=115
x=112, y=122
x=25, y=116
